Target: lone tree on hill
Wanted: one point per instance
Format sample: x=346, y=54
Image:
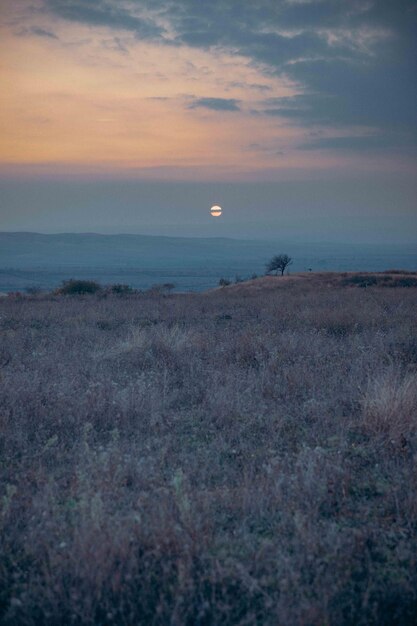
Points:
x=279, y=262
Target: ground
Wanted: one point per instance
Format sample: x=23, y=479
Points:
x=243, y=456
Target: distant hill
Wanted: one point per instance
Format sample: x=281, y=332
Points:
x=33, y=259
x=24, y=250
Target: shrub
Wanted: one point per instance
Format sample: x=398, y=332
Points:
x=224, y=282
x=33, y=291
x=360, y=280
x=122, y=290
x=381, y=280
x=405, y=281
x=78, y=287
x=161, y=288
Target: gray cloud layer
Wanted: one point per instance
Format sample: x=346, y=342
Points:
x=215, y=104
x=103, y=13
x=38, y=32
x=354, y=60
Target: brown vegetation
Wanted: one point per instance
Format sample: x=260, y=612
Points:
x=243, y=456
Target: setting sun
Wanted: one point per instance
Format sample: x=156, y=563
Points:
x=216, y=210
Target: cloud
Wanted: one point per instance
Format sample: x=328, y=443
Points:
x=353, y=61
x=38, y=32
x=257, y=86
x=356, y=142
x=116, y=44
x=215, y=104
x=111, y=14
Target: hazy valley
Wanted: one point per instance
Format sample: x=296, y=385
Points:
x=34, y=260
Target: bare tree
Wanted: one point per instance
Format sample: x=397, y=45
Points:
x=278, y=263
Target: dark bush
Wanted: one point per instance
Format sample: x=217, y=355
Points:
x=361, y=280
x=406, y=281
x=77, y=287
x=168, y=287
x=122, y=290
x=381, y=280
x=224, y=282
x=33, y=291
x=161, y=288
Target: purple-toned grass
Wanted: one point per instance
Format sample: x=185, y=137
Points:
x=235, y=457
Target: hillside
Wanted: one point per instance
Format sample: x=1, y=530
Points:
x=242, y=456
x=323, y=280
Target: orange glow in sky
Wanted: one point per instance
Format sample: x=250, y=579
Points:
x=86, y=98
x=118, y=112
x=90, y=98
x=85, y=103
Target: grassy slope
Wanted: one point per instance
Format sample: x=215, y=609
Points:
x=243, y=456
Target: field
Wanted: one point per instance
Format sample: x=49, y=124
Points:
x=242, y=456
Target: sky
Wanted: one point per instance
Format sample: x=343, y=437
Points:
x=298, y=117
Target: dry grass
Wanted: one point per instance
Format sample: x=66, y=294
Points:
x=244, y=456
x=390, y=404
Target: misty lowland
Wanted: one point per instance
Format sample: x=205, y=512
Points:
x=32, y=261
x=238, y=456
